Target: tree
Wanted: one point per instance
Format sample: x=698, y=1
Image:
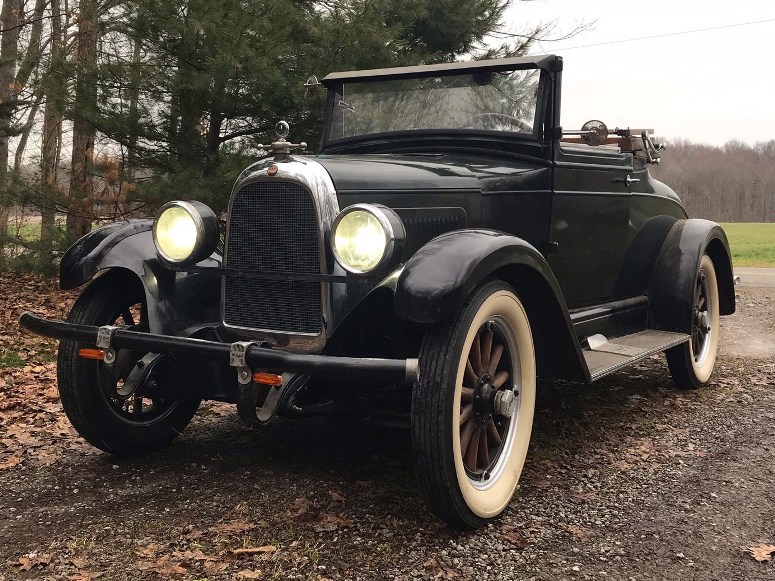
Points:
x=79, y=216
x=217, y=74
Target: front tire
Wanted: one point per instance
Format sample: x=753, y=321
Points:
x=144, y=423
x=691, y=364
x=470, y=436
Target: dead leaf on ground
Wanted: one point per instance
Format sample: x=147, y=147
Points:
x=515, y=538
x=213, y=567
x=248, y=574
x=762, y=552
x=439, y=569
x=330, y=522
x=164, y=566
x=254, y=550
x=27, y=562
x=10, y=462
x=299, y=509
x=336, y=496
x=195, y=555
x=149, y=550
x=235, y=527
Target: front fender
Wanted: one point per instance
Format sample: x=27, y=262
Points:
x=179, y=302
x=671, y=286
x=440, y=276
x=437, y=279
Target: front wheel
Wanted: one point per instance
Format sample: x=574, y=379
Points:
x=691, y=363
x=98, y=403
x=472, y=409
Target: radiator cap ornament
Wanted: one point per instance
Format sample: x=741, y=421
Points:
x=281, y=148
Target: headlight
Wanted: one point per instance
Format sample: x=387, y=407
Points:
x=185, y=232
x=366, y=236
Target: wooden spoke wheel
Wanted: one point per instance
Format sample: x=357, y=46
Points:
x=472, y=409
x=691, y=364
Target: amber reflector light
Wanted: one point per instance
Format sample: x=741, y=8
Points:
x=91, y=353
x=268, y=379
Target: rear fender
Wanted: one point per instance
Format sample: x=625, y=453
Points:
x=440, y=276
x=179, y=303
x=671, y=286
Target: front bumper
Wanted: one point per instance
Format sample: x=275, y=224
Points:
x=255, y=356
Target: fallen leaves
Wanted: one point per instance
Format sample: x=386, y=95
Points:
x=32, y=560
x=234, y=527
x=330, y=522
x=164, y=566
x=439, y=569
x=762, y=552
x=512, y=535
x=254, y=550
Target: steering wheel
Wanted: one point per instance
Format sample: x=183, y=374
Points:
x=494, y=120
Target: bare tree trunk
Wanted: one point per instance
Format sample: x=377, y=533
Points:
x=79, y=215
x=134, y=108
x=52, y=137
x=25, y=134
x=9, y=54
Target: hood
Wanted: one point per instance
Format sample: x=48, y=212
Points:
x=397, y=172
x=422, y=172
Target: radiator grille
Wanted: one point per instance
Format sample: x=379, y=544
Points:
x=273, y=227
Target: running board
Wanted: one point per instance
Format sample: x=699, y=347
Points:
x=604, y=357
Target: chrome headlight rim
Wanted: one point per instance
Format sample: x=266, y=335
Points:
x=206, y=226
x=392, y=226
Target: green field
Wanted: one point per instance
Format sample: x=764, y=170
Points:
x=752, y=244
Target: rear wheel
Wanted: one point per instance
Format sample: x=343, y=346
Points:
x=108, y=413
x=472, y=409
x=691, y=363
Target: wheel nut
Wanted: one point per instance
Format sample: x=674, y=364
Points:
x=505, y=402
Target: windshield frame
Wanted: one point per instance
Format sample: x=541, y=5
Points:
x=335, y=81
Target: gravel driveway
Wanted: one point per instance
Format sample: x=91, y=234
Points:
x=626, y=479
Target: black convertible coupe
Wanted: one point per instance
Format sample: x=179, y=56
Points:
x=450, y=244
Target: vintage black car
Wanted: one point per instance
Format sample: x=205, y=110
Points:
x=449, y=245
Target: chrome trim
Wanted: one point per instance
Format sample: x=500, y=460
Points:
x=312, y=176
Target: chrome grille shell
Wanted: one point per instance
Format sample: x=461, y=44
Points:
x=299, y=176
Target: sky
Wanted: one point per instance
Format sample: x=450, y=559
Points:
x=708, y=87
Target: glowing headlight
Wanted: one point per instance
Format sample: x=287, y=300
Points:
x=185, y=232
x=365, y=236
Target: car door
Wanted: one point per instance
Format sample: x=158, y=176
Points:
x=589, y=221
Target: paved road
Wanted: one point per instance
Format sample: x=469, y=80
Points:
x=756, y=277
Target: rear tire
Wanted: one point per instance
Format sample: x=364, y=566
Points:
x=691, y=364
x=150, y=421
x=469, y=450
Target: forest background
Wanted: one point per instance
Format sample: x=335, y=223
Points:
x=110, y=108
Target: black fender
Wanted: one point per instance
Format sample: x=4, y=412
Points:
x=671, y=285
x=179, y=302
x=438, y=278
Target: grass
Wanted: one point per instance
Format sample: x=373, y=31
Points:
x=10, y=359
x=752, y=244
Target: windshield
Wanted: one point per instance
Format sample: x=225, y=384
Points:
x=494, y=101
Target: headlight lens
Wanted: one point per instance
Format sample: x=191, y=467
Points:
x=185, y=232
x=364, y=237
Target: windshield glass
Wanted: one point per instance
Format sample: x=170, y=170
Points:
x=494, y=101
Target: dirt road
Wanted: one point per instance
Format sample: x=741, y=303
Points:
x=626, y=479
x=756, y=277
